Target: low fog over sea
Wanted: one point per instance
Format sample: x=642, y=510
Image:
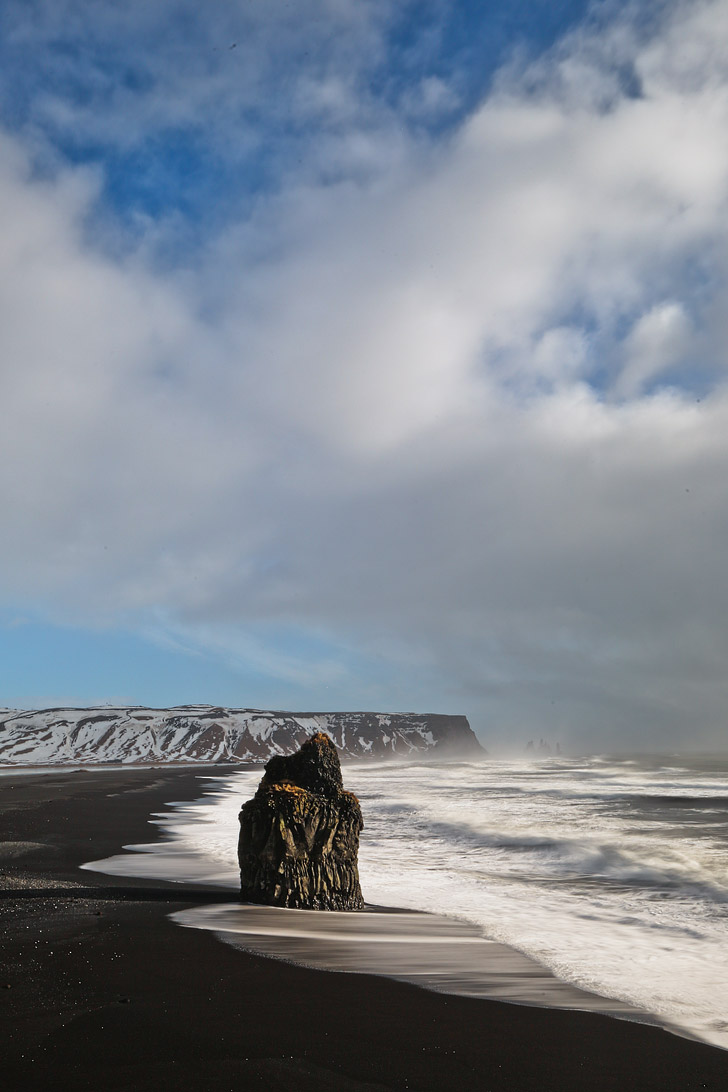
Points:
x=610, y=871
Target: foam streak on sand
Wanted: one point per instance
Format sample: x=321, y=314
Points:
x=428, y=950
x=612, y=873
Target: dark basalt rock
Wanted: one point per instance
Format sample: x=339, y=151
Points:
x=299, y=835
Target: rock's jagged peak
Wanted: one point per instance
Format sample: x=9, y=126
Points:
x=316, y=767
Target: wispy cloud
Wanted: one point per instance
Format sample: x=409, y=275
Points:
x=458, y=391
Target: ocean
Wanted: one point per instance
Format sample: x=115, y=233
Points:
x=610, y=871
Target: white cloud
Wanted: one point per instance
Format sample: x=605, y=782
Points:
x=383, y=405
x=658, y=340
x=561, y=355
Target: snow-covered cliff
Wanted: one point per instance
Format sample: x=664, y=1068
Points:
x=204, y=733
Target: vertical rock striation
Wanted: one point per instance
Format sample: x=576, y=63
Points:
x=299, y=835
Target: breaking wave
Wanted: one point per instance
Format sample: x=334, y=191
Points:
x=611, y=872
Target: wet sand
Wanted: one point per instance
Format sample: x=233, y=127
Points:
x=428, y=950
x=101, y=990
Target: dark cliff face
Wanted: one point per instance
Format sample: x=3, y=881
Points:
x=299, y=835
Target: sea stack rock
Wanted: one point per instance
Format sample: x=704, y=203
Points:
x=299, y=835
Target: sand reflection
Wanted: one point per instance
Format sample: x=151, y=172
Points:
x=429, y=950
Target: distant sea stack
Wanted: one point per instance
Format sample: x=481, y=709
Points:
x=299, y=835
x=207, y=733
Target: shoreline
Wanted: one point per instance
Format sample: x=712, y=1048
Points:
x=104, y=991
x=416, y=946
x=425, y=947
x=408, y=945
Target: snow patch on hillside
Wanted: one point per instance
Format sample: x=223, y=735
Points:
x=205, y=733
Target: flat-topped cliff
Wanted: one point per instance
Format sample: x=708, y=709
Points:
x=206, y=733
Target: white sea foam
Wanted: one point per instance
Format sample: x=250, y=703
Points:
x=614, y=874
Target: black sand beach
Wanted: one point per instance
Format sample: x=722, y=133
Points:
x=101, y=991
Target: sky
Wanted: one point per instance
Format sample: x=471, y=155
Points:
x=359, y=354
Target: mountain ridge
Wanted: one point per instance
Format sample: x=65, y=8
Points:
x=138, y=734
